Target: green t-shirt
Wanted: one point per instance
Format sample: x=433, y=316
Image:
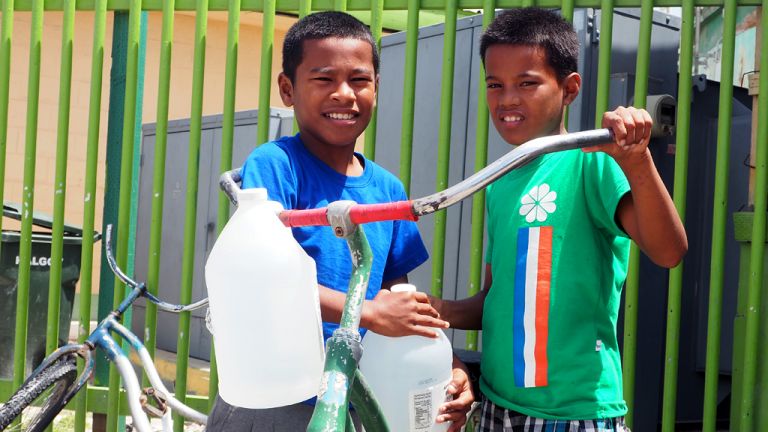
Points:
x=558, y=261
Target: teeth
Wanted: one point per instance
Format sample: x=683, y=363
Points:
x=512, y=118
x=340, y=116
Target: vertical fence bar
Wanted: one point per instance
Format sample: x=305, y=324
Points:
x=126, y=172
x=305, y=8
x=478, y=200
x=89, y=199
x=227, y=142
x=632, y=283
x=444, y=142
x=28, y=193
x=752, y=332
x=377, y=13
x=566, y=9
x=604, y=60
x=5, y=81
x=190, y=220
x=60, y=181
x=265, y=80
x=719, y=217
x=409, y=93
x=762, y=143
x=340, y=5
x=158, y=177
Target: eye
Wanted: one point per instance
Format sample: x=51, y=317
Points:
x=322, y=78
x=492, y=85
x=528, y=83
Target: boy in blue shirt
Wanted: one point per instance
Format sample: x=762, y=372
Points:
x=330, y=77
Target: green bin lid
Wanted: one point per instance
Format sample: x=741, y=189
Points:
x=13, y=211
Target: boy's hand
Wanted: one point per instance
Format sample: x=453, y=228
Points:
x=461, y=389
x=632, y=130
x=404, y=314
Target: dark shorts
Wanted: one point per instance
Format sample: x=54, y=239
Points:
x=292, y=418
x=494, y=418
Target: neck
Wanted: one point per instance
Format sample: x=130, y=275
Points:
x=341, y=159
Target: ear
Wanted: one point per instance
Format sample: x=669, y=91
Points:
x=376, y=90
x=571, y=87
x=285, y=86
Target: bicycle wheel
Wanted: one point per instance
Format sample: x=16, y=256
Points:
x=41, y=397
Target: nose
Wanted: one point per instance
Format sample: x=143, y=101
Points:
x=510, y=98
x=344, y=92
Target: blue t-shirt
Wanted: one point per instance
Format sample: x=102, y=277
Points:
x=297, y=179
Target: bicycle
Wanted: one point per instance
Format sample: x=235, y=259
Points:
x=55, y=382
x=342, y=381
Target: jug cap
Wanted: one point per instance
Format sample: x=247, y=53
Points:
x=252, y=195
x=403, y=287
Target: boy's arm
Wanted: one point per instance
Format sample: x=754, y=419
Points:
x=388, y=314
x=647, y=214
x=466, y=314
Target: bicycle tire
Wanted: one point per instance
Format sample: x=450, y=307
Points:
x=58, y=377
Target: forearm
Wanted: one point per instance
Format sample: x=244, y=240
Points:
x=466, y=314
x=332, y=306
x=652, y=219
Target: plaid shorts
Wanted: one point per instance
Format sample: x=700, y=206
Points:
x=497, y=419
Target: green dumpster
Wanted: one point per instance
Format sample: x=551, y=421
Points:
x=38, y=288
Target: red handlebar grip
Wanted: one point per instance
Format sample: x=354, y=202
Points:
x=400, y=210
x=297, y=218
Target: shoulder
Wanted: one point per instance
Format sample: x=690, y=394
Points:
x=279, y=152
x=385, y=178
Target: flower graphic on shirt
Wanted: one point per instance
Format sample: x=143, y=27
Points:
x=538, y=203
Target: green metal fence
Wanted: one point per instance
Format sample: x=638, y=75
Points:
x=107, y=400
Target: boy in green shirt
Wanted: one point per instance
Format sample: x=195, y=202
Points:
x=559, y=231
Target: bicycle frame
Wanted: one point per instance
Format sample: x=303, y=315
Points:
x=101, y=338
x=341, y=379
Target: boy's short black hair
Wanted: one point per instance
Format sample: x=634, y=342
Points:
x=536, y=27
x=322, y=25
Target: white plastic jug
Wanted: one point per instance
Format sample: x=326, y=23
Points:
x=265, y=309
x=409, y=376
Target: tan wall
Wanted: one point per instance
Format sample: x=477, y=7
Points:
x=180, y=100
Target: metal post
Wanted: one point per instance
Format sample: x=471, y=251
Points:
x=158, y=177
x=30, y=152
x=377, y=14
x=265, y=80
x=632, y=283
x=409, y=93
x=89, y=199
x=478, y=200
x=719, y=218
x=444, y=142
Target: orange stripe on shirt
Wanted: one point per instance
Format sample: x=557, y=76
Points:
x=542, y=304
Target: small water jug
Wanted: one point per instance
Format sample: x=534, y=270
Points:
x=265, y=309
x=409, y=376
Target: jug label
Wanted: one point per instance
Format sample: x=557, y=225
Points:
x=424, y=403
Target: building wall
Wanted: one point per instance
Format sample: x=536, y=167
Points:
x=180, y=100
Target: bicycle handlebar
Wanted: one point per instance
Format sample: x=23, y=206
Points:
x=168, y=307
x=412, y=210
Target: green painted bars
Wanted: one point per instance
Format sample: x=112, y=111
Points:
x=95, y=398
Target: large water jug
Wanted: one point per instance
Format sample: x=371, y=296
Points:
x=409, y=376
x=265, y=309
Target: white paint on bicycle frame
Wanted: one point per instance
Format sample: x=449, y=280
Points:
x=140, y=420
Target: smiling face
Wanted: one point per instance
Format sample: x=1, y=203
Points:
x=333, y=93
x=525, y=98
